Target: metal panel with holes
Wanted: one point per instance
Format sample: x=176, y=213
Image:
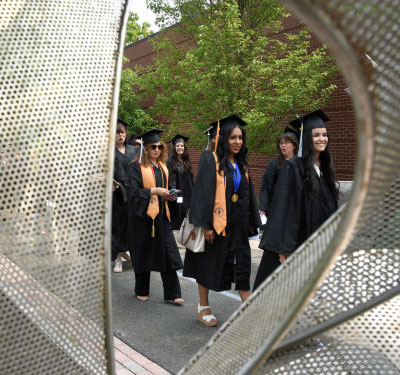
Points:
x=59, y=63
x=333, y=307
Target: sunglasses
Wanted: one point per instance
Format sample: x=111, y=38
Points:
x=155, y=147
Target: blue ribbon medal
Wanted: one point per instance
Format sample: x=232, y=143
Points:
x=235, y=172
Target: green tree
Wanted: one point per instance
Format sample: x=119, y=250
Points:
x=237, y=65
x=135, y=31
x=129, y=108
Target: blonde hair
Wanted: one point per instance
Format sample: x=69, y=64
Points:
x=145, y=159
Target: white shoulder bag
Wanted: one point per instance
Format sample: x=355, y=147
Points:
x=191, y=236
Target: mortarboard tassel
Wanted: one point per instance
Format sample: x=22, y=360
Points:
x=208, y=140
x=141, y=151
x=217, y=138
x=300, y=152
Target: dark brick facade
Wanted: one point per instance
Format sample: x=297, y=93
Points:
x=341, y=127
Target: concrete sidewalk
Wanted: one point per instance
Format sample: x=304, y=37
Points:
x=129, y=362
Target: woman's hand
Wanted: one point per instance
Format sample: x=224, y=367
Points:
x=209, y=235
x=159, y=191
x=282, y=258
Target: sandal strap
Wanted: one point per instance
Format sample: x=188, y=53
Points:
x=201, y=308
x=208, y=318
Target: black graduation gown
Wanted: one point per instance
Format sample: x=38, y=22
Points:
x=182, y=180
x=268, y=184
x=213, y=268
x=119, y=199
x=149, y=254
x=294, y=216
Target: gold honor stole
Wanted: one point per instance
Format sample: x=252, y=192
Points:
x=219, y=213
x=149, y=182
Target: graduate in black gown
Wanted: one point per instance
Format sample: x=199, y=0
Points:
x=287, y=147
x=181, y=173
x=305, y=196
x=150, y=239
x=124, y=154
x=223, y=203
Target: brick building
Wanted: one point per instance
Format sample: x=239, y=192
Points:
x=342, y=129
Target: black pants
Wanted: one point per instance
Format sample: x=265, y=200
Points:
x=269, y=263
x=172, y=288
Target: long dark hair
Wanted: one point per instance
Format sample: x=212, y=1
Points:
x=174, y=161
x=327, y=168
x=223, y=149
x=288, y=137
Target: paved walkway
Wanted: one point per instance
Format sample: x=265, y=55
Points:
x=129, y=362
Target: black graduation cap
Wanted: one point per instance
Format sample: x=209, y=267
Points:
x=120, y=121
x=290, y=131
x=232, y=119
x=179, y=138
x=131, y=140
x=308, y=122
x=150, y=136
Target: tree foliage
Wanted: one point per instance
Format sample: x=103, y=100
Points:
x=238, y=64
x=129, y=109
x=135, y=31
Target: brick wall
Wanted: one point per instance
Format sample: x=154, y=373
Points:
x=341, y=128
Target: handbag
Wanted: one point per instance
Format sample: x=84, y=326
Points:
x=191, y=236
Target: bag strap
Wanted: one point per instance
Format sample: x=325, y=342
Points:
x=188, y=238
x=191, y=234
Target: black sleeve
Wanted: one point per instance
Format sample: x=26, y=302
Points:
x=203, y=195
x=255, y=221
x=267, y=183
x=120, y=177
x=118, y=170
x=283, y=227
x=131, y=151
x=138, y=196
x=171, y=177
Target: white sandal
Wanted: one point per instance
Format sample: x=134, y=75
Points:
x=118, y=267
x=208, y=320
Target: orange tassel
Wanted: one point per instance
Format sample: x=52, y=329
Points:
x=216, y=139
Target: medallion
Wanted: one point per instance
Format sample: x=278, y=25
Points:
x=235, y=197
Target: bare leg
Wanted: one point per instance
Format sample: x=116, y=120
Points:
x=244, y=294
x=205, y=315
x=282, y=258
x=203, y=294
